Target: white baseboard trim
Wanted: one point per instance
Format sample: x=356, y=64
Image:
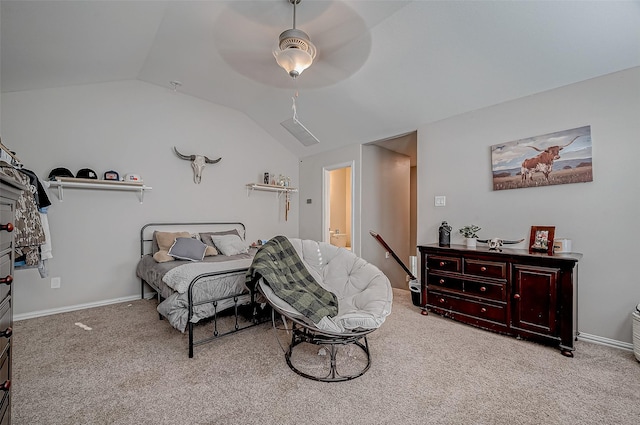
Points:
x=49, y=312
x=605, y=341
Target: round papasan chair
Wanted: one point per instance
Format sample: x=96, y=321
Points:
x=363, y=294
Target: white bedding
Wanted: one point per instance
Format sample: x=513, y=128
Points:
x=173, y=280
x=179, y=277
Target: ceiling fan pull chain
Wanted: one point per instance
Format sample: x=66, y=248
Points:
x=293, y=107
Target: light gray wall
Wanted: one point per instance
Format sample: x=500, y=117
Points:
x=311, y=186
x=600, y=217
x=386, y=203
x=131, y=127
x=383, y=198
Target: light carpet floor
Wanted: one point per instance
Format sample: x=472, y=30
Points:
x=131, y=368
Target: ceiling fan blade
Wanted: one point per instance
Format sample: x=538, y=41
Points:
x=246, y=33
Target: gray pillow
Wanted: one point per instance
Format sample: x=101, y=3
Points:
x=230, y=244
x=206, y=237
x=188, y=249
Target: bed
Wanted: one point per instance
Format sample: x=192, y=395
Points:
x=192, y=289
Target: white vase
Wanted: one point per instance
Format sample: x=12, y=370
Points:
x=471, y=242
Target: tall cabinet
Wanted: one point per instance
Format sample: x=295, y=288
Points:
x=532, y=296
x=9, y=193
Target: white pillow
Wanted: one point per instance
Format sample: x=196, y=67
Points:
x=230, y=244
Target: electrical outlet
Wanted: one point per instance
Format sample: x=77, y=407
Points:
x=386, y=254
x=55, y=282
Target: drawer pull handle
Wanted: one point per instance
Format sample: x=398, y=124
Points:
x=7, y=279
x=483, y=310
x=5, y=385
x=441, y=300
x=6, y=333
x=516, y=296
x=442, y=263
x=483, y=269
x=441, y=281
x=483, y=289
x=8, y=227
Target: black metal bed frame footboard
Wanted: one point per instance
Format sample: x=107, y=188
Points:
x=256, y=318
x=255, y=308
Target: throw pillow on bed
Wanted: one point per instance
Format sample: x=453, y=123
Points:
x=211, y=250
x=162, y=257
x=206, y=236
x=188, y=249
x=230, y=244
x=166, y=239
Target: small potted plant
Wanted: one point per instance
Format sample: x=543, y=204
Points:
x=470, y=234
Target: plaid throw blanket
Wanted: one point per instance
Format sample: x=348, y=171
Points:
x=278, y=263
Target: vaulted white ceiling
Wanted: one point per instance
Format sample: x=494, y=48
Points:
x=383, y=67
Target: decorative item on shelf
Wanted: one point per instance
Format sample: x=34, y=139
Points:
x=112, y=175
x=266, y=180
x=60, y=172
x=87, y=173
x=287, y=205
x=444, y=234
x=541, y=239
x=562, y=245
x=496, y=243
x=130, y=177
x=470, y=234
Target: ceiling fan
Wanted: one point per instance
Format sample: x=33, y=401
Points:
x=247, y=37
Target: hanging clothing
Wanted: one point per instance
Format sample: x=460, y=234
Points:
x=28, y=231
x=45, y=248
x=36, y=187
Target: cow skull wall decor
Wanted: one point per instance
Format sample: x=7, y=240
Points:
x=495, y=244
x=197, y=163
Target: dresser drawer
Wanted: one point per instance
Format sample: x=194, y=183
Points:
x=443, y=282
x=6, y=266
x=5, y=322
x=497, y=270
x=495, y=313
x=449, y=264
x=5, y=409
x=6, y=216
x=492, y=291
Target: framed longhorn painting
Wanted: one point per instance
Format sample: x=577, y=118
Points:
x=555, y=158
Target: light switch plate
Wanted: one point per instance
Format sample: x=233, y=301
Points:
x=440, y=201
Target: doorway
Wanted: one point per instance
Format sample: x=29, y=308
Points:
x=338, y=217
x=389, y=168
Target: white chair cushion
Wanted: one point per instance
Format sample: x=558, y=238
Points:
x=363, y=291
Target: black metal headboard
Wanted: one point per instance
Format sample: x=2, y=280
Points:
x=146, y=232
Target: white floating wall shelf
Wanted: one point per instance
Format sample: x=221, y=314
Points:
x=76, y=183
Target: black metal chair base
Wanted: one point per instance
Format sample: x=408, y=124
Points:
x=331, y=342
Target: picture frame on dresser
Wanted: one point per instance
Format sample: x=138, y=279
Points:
x=541, y=239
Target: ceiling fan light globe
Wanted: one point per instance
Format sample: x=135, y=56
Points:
x=293, y=60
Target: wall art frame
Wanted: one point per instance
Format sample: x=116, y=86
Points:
x=555, y=158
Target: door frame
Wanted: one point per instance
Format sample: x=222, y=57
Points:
x=326, y=199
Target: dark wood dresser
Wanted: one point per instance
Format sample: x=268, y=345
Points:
x=9, y=193
x=530, y=296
